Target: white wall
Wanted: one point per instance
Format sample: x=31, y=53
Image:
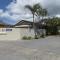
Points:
x=9, y=35
x=26, y=32
x=15, y=34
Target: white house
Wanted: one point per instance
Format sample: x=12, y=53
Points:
x=17, y=31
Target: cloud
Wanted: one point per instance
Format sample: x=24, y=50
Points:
x=15, y=10
x=53, y=7
x=1, y=11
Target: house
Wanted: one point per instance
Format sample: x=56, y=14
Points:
x=1, y=25
x=20, y=29
x=8, y=32
x=26, y=28
x=17, y=31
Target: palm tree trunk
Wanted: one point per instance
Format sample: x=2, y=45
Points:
x=42, y=27
x=34, y=27
x=33, y=20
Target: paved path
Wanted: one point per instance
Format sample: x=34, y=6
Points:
x=43, y=49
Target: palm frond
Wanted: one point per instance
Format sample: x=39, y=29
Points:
x=36, y=7
x=29, y=8
x=45, y=12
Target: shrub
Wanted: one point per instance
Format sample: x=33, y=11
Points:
x=52, y=30
x=24, y=37
x=42, y=36
x=29, y=38
x=36, y=37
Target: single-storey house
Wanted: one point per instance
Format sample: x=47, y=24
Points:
x=7, y=32
x=17, y=31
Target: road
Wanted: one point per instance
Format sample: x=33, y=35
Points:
x=42, y=49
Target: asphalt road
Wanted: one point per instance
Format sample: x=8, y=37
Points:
x=43, y=49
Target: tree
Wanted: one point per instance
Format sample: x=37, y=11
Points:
x=33, y=10
x=52, y=25
x=42, y=13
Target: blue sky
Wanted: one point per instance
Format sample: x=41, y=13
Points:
x=12, y=11
x=4, y=3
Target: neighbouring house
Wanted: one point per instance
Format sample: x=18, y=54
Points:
x=8, y=32
x=1, y=25
x=26, y=28
x=17, y=31
x=20, y=29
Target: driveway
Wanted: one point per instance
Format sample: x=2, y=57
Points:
x=42, y=49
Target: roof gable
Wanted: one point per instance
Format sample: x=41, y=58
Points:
x=24, y=22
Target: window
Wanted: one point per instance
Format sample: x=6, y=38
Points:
x=8, y=30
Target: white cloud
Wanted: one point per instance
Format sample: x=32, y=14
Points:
x=16, y=11
x=58, y=15
x=1, y=12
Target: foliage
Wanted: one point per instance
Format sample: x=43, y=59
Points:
x=34, y=10
x=29, y=37
x=52, y=30
x=53, y=22
x=42, y=12
x=52, y=26
x=36, y=37
x=42, y=36
x=26, y=37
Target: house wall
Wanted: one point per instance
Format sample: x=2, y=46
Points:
x=26, y=32
x=9, y=34
x=15, y=33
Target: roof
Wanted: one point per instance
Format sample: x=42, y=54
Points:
x=24, y=22
x=2, y=25
x=23, y=26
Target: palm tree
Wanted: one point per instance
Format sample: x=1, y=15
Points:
x=33, y=10
x=42, y=13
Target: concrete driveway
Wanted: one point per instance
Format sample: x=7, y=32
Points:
x=43, y=49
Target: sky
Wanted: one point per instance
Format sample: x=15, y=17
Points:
x=12, y=11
